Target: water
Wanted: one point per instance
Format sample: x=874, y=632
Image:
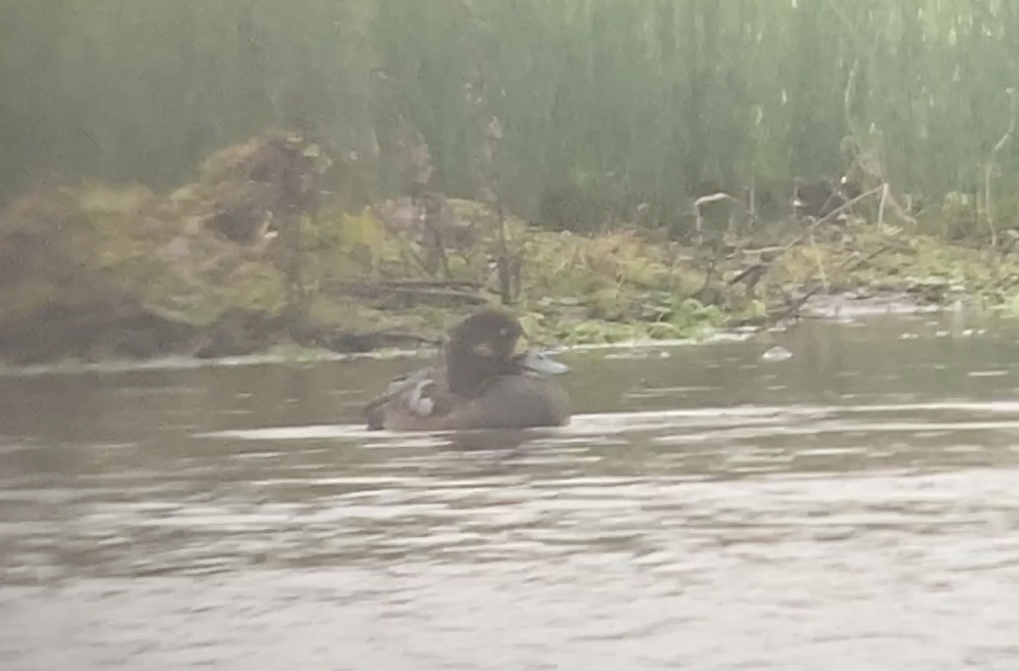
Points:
x=853, y=507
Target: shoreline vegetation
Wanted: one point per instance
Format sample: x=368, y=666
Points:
x=264, y=251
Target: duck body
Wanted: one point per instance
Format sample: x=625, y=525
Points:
x=486, y=378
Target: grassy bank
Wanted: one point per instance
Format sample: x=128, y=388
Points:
x=255, y=255
x=627, y=284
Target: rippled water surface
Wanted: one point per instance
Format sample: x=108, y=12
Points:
x=853, y=507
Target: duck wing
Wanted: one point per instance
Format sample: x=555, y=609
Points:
x=421, y=393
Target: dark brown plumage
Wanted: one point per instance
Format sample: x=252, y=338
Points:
x=486, y=378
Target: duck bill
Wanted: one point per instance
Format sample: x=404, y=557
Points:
x=535, y=361
x=541, y=363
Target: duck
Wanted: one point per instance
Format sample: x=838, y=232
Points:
x=487, y=376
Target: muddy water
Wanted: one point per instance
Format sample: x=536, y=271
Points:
x=853, y=507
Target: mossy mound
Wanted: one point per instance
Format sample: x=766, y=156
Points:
x=84, y=269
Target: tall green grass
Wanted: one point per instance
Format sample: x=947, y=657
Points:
x=645, y=100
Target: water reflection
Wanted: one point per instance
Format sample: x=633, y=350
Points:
x=853, y=507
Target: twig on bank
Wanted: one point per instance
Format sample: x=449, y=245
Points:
x=759, y=267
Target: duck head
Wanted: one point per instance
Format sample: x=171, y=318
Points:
x=489, y=344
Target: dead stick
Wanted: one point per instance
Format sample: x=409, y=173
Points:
x=848, y=264
x=806, y=234
x=443, y=284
